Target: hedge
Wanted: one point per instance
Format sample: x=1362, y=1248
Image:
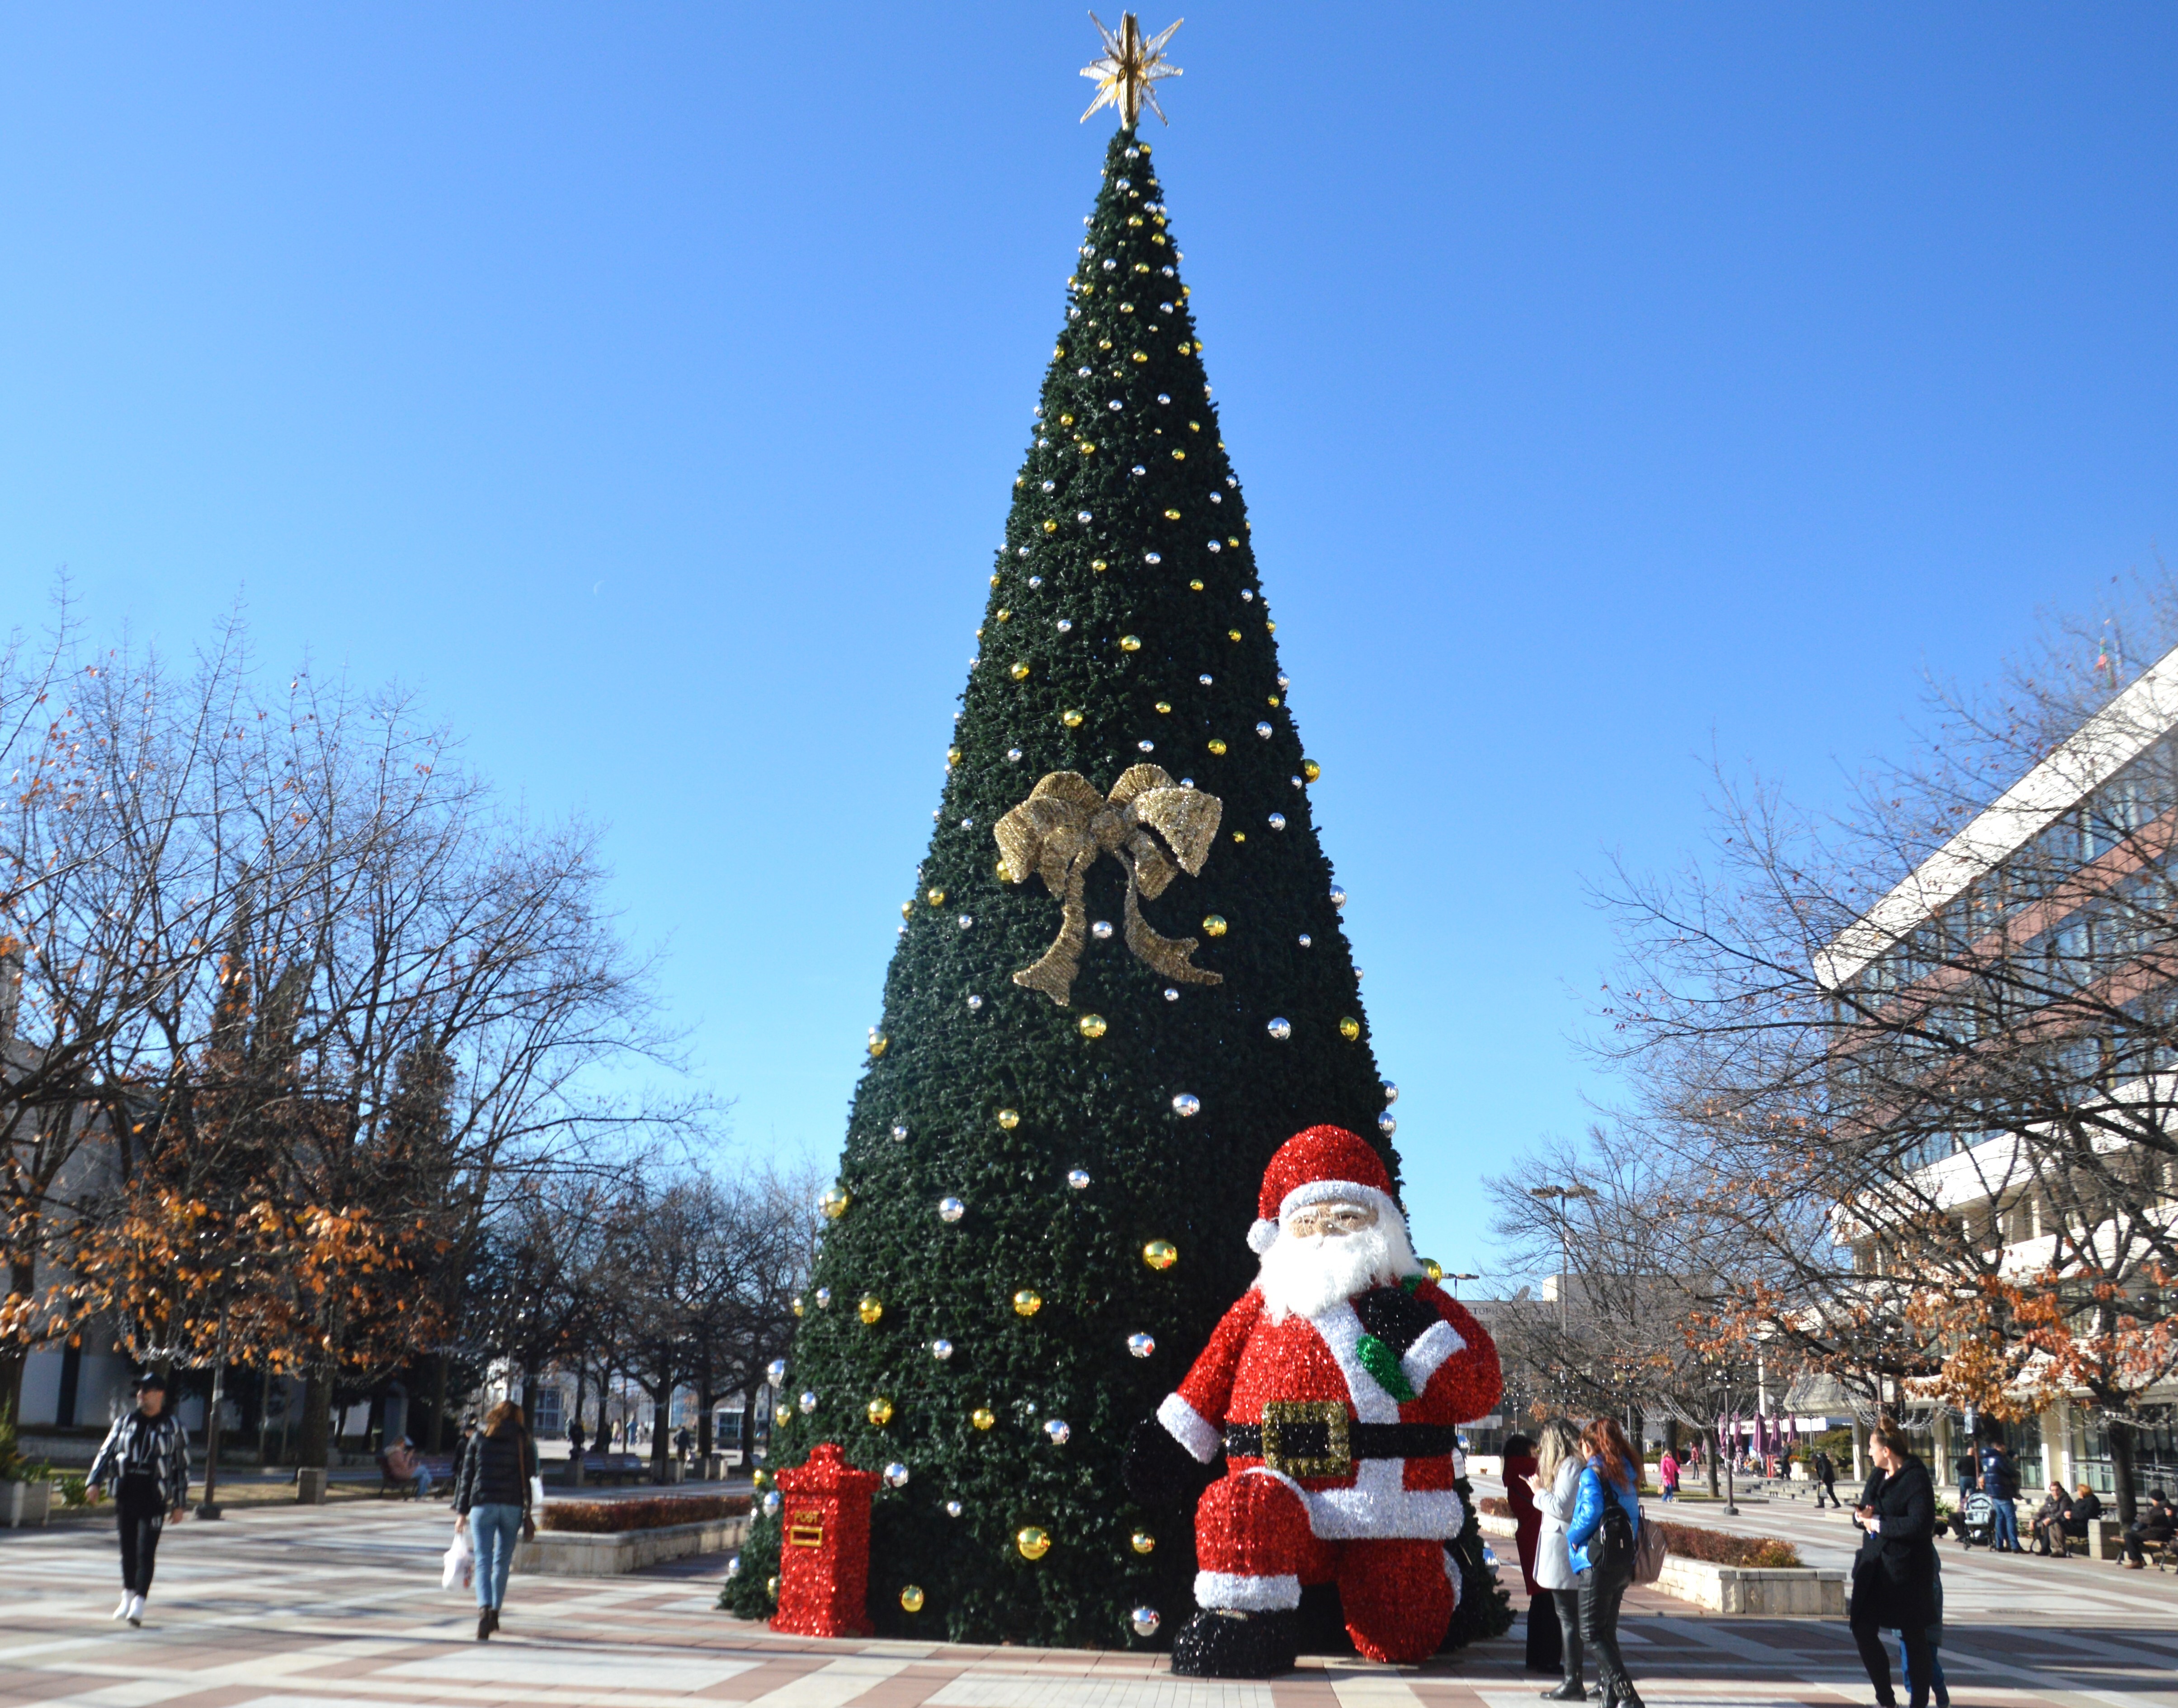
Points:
x=653, y=1513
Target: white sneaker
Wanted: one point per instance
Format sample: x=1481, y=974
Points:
x=136, y=1610
x=122, y=1612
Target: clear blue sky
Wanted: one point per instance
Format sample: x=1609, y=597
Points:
x=645, y=384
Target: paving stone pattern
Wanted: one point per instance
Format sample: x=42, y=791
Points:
x=342, y=1609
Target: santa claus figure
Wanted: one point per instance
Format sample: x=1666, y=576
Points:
x=1333, y=1389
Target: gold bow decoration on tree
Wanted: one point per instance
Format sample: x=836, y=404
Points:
x=1153, y=829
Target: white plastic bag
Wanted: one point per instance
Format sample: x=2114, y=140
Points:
x=459, y=1566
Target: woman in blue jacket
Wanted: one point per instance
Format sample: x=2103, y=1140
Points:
x=1600, y=1548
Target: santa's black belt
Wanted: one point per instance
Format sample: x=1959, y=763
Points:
x=1321, y=1438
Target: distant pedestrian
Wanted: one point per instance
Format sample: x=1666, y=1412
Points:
x=1543, y=1653
x=1601, y=1539
x=1667, y=1475
x=1555, y=1488
x=1825, y=1479
x=1894, y=1576
x=492, y=1498
x=145, y=1461
x=2000, y=1481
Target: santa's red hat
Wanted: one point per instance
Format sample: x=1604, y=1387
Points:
x=1319, y=1165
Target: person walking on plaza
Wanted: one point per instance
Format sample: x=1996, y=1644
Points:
x=492, y=1498
x=1519, y=1453
x=1894, y=1576
x=2000, y=1481
x=1600, y=1538
x=1825, y=1479
x=145, y=1462
x=1667, y=1475
x=1555, y=1488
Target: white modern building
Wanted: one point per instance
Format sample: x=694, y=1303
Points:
x=2052, y=877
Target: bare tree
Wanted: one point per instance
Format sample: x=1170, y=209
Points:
x=1925, y=1051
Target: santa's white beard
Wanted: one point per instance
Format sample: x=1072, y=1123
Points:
x=1305, y=1275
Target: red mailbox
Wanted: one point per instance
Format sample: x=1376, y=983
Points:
x=825, y=1547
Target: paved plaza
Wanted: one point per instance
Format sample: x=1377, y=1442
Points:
x=290, y=1607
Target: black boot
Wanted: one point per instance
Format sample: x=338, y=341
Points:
x=1215, y=1645
x=1568, y=1690
x=483, y=1624
x=1619, y=1692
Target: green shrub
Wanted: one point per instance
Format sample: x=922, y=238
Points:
x=1721, y=1548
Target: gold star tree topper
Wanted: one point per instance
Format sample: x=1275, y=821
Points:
x=1129, y=68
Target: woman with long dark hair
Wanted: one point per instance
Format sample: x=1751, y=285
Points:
x=491, y=1494
x=1894, y=1576
x=1600, y=1541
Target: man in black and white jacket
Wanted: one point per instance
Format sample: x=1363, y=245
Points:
x=145, y=1463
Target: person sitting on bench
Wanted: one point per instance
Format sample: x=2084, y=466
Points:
x=403, y=1464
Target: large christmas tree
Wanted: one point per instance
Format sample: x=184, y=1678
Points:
x=1121, y=983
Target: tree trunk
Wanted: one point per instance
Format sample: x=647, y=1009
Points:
x=439, y=1403
x=2119, y=1436
x=313, y=1444
x=1710, y=1457
x=661, y=1417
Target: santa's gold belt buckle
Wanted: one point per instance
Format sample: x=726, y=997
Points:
x=1293, y=1426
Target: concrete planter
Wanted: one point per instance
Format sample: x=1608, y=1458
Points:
x=1769, y=1592
x=24, y=1505
x=310, y=1486
x=585, y=1554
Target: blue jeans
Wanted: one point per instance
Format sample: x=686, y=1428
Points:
x=493, y=1532
x=1935, y=1673
x=2004, y=1533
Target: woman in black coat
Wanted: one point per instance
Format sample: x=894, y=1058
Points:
x=1894, y=1577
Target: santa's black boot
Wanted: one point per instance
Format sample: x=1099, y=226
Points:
x=1214, y=1644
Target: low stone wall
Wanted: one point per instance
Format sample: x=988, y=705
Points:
x=608, y=1554
x=1770, y=1592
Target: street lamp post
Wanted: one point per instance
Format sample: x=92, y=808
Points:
x=1565, y=1257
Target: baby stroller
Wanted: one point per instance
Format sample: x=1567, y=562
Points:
x=1977, y=1519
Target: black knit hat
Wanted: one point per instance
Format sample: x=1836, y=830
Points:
x=149, y=1380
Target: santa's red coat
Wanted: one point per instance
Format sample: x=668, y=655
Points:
x=1252, y=1362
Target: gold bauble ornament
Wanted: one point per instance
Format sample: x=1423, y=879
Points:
x=1142, y=1542
x=1018, y=673
x=782, y=1414
x=878, y=1044
x=1027, y=1302
x=796, y=1303
x=952, y=757
x=871, y=1308
x=1433, y=1269
x=771, y=1588
x=1196, y=585
x=878, y=1411
x=1213, y=925
x=834, y=1203
x=1310, y=769
x=910, y=1598
x=1005, y=617
x=1051, y=528
x=1164, y=706
x=1009, y=1118
x=995, y=579
x=1099, y=565
x=907, y=910
x=760, y=1477
x=936, y=898
x=1231, y=634
x=1217, y=745
x=1240, y=835
x=1131, y=643
x=1066, y=420
x=1092, y=1026
x=1033, y=1542
x=1171, y=516
x=1349, y=1028
x=1160, y=1255
x=1071, y=720
x=982, y=1417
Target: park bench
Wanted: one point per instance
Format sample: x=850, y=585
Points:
x=442, y=1477
x=615, y=1467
